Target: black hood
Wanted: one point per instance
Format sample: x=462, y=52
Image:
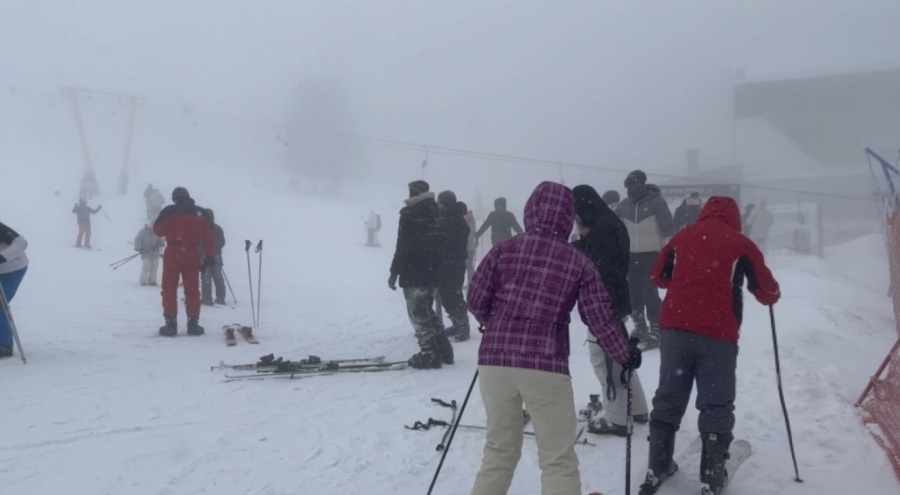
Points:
x=589, y=206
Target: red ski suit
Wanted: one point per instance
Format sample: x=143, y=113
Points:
x=704, y=266
x=185, y=231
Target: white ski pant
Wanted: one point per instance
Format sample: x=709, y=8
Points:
x=548, y=399
x=149, y=266
x=616, y=410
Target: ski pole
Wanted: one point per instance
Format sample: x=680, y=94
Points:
x=105, y=215
x=453, y=432
x=787, y=421
x=247, y=245
x=629, y=422
x=12, y=324
x=259, y=247
x=229, y=285
x=123, y=261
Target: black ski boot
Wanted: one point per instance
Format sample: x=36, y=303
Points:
x=660, y=465
x=712, y=463
x=170, y=329
x=443, y=347
x=193, y=327
x=426, y=358
x=461, y=334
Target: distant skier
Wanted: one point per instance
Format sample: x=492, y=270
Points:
x=148, y=244
x=453, y=265
x=185, y=230
x=745, y=219
x=471, y=247
x=155, y=201
x=83, y=215
x=373, y=226
x=13, y=265
x=212, y=274
x=703, y=267
x=648, y=219
x=523, y=293
x=688, y=211
x=421, y=235
x=604, y=240
x=501, y=222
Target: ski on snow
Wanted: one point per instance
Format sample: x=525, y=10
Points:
x=270, y=363
x=326, y=368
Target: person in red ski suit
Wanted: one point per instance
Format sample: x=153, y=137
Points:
x=185, y=229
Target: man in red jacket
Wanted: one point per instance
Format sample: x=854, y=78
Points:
x=185, y=229
x=703, y=267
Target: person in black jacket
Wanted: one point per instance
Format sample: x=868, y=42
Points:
x=604, y=240
x=501, y=222
x=453, y=265
x=688, y=211
x=213, y=272
x=421, y=237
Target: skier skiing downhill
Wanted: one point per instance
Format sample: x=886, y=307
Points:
x=522, y=294
x=649, y=221
x=185, y=230
x=13, y=265
x=604, y=240
x=421, y=237
x=703, y=267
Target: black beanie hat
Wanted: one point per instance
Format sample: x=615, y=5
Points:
x=635, y=178
x=180, y=193
x=446, y=198
x=586, y=199
x=611, y=197
x=418, y=187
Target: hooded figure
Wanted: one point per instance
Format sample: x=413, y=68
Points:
x=604, y=241
x=523, y=294
x=649, y=222
x=688, y=211
x=185, y=230
x=421, y=238
x=703, y=269
x=501, y=222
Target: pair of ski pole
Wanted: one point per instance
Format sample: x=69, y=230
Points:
x=254, y=310
x=116, y=264
x=456, y=424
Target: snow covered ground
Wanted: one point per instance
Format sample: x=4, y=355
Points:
x=104, y=406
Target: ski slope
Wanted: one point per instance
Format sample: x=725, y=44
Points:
x=104, y=406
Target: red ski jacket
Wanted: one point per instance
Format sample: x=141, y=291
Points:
x=185, y=230
x=704, y=266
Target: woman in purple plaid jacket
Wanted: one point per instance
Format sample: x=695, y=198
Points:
x=523, y=294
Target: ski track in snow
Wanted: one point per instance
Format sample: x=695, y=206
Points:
x=106, y=407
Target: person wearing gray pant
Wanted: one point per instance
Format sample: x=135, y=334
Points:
x=700, y=322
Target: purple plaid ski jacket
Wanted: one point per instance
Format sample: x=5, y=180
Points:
x=525, y=288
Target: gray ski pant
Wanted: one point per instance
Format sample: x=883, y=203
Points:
x=684, y=358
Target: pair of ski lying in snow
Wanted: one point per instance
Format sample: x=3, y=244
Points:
x=270, y=367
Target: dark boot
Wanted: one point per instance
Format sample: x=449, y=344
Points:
x=651, y=340
x=660, y=465
x=461, y=334
x=170, y=329
x=443, y=347
x=426, y=358
x=193, y=326
x=640, y=325
x=712, y=463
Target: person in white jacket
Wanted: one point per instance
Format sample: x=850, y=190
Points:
x=148, y=244
x=13, y=264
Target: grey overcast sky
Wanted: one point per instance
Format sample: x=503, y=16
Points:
x=618, y=83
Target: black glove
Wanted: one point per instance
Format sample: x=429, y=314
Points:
x=634, y=360
x=392, y=281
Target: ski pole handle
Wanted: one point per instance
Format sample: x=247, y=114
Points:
x=247, y=245
x=259, y=246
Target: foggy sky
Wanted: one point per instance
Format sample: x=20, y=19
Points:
x=613, y=83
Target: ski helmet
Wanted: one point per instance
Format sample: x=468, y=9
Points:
x=180, y=193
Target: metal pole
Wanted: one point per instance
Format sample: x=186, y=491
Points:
x=453, y=432
x=12, y=324
x=247, y=245
x=229, y=285
x=76, y=110
x=123, y=176
x=259, y=247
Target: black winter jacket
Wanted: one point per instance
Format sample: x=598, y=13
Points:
x=607, y=246
x=456, y=249
x=502, y=224
x=421, y=236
